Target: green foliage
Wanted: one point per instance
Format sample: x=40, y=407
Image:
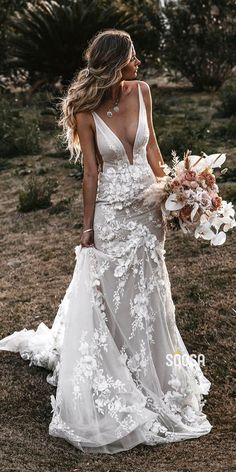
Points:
x=18, y=136
x=231, y=129
x=4, y=164
x=190, y=136
x=228, y=100
x=48, y=39
x=195, y=294
x=37, y=195
x=61, y=206
x=146, y=14
x=6, y=10
x=226, y=131
x=228, y=192
x=200, y=40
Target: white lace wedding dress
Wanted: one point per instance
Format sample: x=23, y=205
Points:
x=107, y=348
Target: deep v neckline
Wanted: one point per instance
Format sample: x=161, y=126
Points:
x=136, y=134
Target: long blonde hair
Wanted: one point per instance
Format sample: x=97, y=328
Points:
x=107, y=53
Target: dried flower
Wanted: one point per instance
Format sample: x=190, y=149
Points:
x=216, y=201
x=190, y=199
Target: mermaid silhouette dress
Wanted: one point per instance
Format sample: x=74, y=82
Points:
x=114, y=341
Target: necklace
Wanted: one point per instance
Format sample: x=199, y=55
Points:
x=115, y=106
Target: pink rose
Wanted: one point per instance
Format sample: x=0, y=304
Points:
x=208, y=177
x=190, y=175
x=216, y=202
x=186, y=183
x=193, y=184
x=175, y=183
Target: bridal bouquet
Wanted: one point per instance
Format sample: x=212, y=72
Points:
x=189, y=197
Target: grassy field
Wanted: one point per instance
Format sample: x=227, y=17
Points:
x=37, y=261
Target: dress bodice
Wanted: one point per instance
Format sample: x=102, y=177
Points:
x=121, y=179
x=110, y=146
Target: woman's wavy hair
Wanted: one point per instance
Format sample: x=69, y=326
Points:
x=107, y=53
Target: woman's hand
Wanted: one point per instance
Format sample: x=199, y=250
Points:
x=87, y=239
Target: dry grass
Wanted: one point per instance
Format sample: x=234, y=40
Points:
x=37, y=261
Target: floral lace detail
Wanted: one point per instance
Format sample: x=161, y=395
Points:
x=138, y=363
x=106, y=390
x=123, y=183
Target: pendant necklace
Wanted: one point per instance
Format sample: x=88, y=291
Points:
x=115, y=107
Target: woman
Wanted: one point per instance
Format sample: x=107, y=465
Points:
x=114, y=340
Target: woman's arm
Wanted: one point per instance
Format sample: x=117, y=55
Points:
x=90, y=171
x=154, y=156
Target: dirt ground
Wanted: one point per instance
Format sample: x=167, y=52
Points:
x=37, y=261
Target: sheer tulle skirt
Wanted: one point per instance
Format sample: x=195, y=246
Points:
x=112, y=345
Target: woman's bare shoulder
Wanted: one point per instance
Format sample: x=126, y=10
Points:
x=83, y=117
x=144, y=87
x=84, y=120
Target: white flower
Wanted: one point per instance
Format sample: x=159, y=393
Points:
x=84, y=348
x=156, y=427
x=204, y=199
x=173, y=204
x=229, y=224
x=218, y=239
x=194, y=210
x=179, y=167
x=119, y=271
x=96, y=282
x=88, y=364
x=53, y=402
x=100, y=405
x=103, y=338
x=204, y=231
x=101, y=384
x=131, y=225
x=174, y=383
x=215, y=160
x=115, y=405
x=196, y=163
x=118, y=206
x=227, y=209
x=216, y=221
x=140, y=298
x=199, y=163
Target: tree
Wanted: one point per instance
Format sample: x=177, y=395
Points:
x=6, y=10
x=48, y=37
x=200, y=40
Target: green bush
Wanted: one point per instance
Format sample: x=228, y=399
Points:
x=37, y=195
x=190, y=136
x=61, y=206
x=6, y=10
x=226, y=131
x=228, y=192
x=200, y=40
x=48, y=39
x=18, y=136
x=231, y=129
x=228, y=100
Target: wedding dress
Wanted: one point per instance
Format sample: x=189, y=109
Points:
x=108, y=347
